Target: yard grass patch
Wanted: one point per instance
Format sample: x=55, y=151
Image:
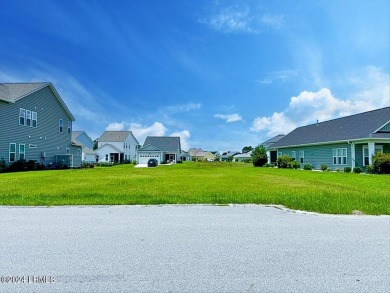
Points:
x=200, y=183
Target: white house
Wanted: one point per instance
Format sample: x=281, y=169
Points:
x=81, y=138
x=116, y=147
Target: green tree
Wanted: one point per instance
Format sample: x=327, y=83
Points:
x=247, y=149
x=259, y=156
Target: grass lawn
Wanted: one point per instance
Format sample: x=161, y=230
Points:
x=200, y=183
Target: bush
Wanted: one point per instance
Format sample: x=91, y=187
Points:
x=381, y=163
x=294, y=165
x=357, y=170
x=369, y=169
x=259, y=156
x=307, y=167
x=179, y=162
x=347, y=169
x=324, y=167
x=134, y=162
x=283, y=161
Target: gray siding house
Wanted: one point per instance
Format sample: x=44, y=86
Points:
x=349, y=141
x=162, y=148
x=35, y=124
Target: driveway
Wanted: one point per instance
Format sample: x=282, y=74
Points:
x=194, y=248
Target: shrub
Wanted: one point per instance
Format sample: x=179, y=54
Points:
x=283, y=161
x=294, y=165
x=347, y=169
x=369, y=169
x=357, y=170
x=329, y=169
x=324, y=167
x=179, y=162
x=307, y=167
x=259, y=156
x=381, y=163
x=134, y=162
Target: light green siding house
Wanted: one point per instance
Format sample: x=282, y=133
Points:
x=349, y=141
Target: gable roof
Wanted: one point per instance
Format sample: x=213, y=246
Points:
x=272, y=141
x=12, y=92
x=358, y=126
x=116, y=136
x=164, y=143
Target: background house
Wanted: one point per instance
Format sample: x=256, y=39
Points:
x=225, y=155
x=116, y=147
x=163, y=148
x=80, y=138
x=344, y=142
x=36, y=125
x=272, y=153
x=242, y=157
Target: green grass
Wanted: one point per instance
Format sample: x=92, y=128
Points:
x=200, y=183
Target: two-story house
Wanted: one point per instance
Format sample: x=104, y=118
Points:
x=116, y=147
x=35, y=124
x=82, y=139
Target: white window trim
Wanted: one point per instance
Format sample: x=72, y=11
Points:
x=36, y=119
x=24, y=116
x=294, y=155
x=337, y=153
x=28, y=118
x=301, y=157
x=365, y=147
x=24, y=152
x=9, y=152
x=69, y=127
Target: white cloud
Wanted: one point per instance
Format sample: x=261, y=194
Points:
x=229, y=118
x=116, y=126
x=240, y=19
x=279, y=76
x=183, y=108
x=141, y=132
x=184, y=136
x=308, y=107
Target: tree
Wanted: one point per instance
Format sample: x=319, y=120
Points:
x=95, y=144
x=259, y=156
x=247, y=149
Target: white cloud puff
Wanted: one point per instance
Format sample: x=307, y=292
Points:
x=308, y=107
x=184, y=136
x=141, y=132
x=229, y=118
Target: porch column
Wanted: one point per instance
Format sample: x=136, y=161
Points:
x=268, y=157
x=353, y=165
x=371, y=151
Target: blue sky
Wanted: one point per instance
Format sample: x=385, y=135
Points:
x=221, y=74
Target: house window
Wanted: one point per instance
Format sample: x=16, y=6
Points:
x=69, y=126
x=79, y=152
x=22, y=152
x=366, y=159
x=12, y=152
x=28, y=117
x=294, y=155
x=339, y=156
x=34, y=119
x=301, y=156
x=22, y=116
x=60, y=125
x=68, y=151
x=106, y=157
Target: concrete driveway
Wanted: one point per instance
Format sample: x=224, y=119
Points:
x=194, y=248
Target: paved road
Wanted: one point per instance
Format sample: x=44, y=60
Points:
x=244, y=248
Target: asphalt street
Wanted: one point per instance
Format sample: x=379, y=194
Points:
x=193, y=248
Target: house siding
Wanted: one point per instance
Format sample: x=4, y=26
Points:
x=318, y=155
x=45, y=137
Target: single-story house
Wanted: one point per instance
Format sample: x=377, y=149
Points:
x=242, y=157
x=162, y=148
x=272, y=154
x=344, y=142
x=225, y=155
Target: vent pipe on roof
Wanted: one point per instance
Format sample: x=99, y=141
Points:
x=318, y=124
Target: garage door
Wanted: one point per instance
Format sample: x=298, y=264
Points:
x=143, y=159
